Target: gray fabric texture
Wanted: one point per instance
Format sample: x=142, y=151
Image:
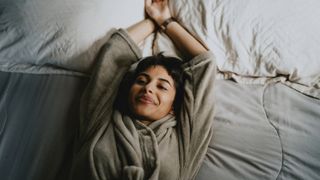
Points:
x=38, y=118
x=263, y=132
x=118, y=147
x=296, y=117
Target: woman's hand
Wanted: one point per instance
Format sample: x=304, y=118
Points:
x=158, y=10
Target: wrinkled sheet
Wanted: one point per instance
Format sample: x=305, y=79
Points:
x=258, y=41
x=258, y=38
x=254, y=41
x=263, y=132
x=61, y=33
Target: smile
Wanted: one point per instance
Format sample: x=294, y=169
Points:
x=146, y=100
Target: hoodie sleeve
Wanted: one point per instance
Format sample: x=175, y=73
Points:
x=113, y=62
x=197, y=111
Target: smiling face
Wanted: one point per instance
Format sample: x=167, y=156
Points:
x=152, y=94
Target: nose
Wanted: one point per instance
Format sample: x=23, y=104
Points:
x=149, y=88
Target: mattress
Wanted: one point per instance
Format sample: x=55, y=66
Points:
x=39, y=116
x=260, y=131
x=263, y=132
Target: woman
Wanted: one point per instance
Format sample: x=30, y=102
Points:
x=156, y=135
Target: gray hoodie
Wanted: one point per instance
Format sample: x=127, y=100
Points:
x=115, y=146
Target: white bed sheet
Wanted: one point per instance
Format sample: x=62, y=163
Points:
x=257, y=41
x=254, y=41
x=61, y=33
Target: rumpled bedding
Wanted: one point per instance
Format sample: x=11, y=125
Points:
x=263, y=132
x=59, y=34
x=254, y=42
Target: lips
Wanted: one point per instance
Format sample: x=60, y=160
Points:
x=145, y=99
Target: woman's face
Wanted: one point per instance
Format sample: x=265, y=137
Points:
x=152, y=94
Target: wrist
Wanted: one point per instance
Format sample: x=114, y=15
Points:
x=160, y=21
x=150, y=24
x=164, y=25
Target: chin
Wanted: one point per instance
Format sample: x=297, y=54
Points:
x=144, y=116
x=145, y=113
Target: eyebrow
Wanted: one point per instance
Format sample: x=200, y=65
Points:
x=161, y=79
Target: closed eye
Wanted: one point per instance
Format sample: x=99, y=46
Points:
x=141, y=79
x=163, y=87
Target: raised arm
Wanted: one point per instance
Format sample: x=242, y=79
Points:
x=159, y=11
x=139, y=31
x=197, y=110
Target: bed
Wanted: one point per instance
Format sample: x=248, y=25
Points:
x=267, y=90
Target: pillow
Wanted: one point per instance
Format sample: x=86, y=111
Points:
x=254, y=41
x=61, y=33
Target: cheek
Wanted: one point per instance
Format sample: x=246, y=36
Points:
x=168, y=99
x=134, y=90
